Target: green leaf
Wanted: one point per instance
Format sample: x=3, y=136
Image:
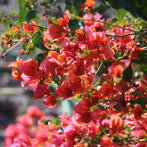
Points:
x=141, y=101
x=12, y=12
x=40, y=57
x=27, y=46
x=74, y=6
x=101, y=8
x=2, y=46
x=138, y=91
x=120, y=14
x=38, y=20
x=123, y=4
x=45, y=121
x=23, y=10
x=113, y=20
x=30, y=15
x=17, y=15
x=127, y=74
x=143, y=24
x=85, y=53
x=54, y=20
x=124, y=88
x=7, y=22
x=141, y=7
x=56, y=121
x=142, y=62
x=38, y=41
x=32, y=51
x=46, y=1
x=101, y=107
x=73, y=24
x=116, y=107
x=135, y=7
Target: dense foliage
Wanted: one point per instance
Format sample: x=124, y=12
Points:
x=100, y=63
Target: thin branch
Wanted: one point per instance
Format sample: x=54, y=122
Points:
x=96, y=74
x=124, y=35
x=12, y=47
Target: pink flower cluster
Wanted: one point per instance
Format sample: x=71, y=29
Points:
x=34, y=129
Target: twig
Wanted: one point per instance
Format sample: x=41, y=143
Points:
x=12, y=47
x=124, y=35
x=96, y=74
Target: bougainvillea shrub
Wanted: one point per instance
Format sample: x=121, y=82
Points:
x=100, y=63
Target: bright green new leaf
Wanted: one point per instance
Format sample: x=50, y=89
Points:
x=120, y=14
x=23, y=10
x=12, y=12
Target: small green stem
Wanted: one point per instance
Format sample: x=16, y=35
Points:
x=77, y=17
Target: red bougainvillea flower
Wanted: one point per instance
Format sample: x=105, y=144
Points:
x=97, y=25
x=79, y=35
x=138, y=111
x=57, y=32
x=50, y=101
x=22, y=141
x=42, y=135
x=121, y=43
x=139, y=133
x=29, y=67
x=46, y=43
x=83, y=108
x=53, y=64
x=13, y=131
x=17, y=63
x=16, y=74
x=65, y=20
x=34, y=112
x=107, y=89
x=116, y=70
x=89, y=3
x=53, y=32
x=120, y=85
x=141, y=144
x=25, y=120
x=63, y=90
x=134, y=50
x=92, y=130
x=97, y=116
x=116, y=123
x=16, y=29
x=58, y=139
x=70, y=132
x=106, y=141
x=27, y=71
x=41, y=91
x=30, y=28
x=74, y=82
